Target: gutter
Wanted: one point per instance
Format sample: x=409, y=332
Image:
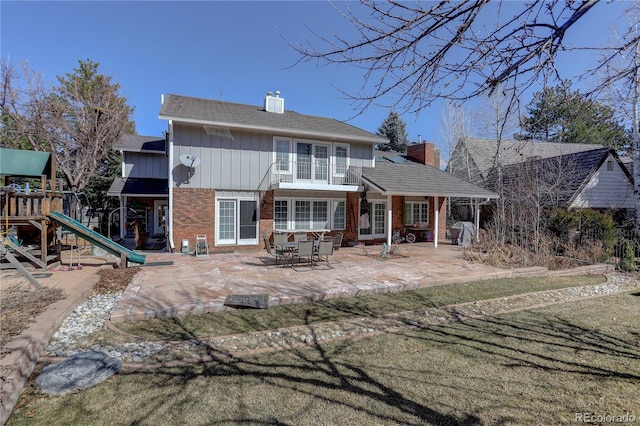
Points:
x=170, y=221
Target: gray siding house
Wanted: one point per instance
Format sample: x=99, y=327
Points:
x=240, y=172
x=593, y=176
x=142, y=188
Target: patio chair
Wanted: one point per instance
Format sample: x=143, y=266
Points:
x=337, y=241
x=280, y=237
x=325, y=248
x=305, y=249
x=300, y=236
x=273, y=252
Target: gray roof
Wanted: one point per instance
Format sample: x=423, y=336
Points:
x=418, y=179
x=228, y=115
x=137, y=143
x=483, y=151
x=566, y=174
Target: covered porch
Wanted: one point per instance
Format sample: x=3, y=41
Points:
x=413, y=196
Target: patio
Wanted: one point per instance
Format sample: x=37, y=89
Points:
x=175, y=284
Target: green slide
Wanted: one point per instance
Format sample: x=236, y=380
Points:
x=94, y=238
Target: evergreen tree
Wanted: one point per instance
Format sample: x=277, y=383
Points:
x=558, y=114
x=394, y=129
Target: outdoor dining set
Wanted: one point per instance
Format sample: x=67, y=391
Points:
x=303, y=249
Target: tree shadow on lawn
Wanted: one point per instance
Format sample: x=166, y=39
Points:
x=535, y=340
x=350, y=376
x=532, y=340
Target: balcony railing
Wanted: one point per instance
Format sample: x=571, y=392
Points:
x=316, y=173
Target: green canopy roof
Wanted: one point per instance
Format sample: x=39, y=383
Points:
x=18, y=162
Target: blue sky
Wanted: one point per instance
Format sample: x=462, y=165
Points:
x=214, y=49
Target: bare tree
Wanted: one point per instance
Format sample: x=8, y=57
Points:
x=495, y=118
x=79, y=120
x=419, y=52
x=454, y=127
x=529, y=190
x=619, y=72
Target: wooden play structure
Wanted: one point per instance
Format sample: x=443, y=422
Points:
x=28, y=196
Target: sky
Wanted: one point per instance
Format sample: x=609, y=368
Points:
x=234, y=51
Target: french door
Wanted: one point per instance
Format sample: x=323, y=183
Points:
x=236, y=222
x=377, y=221
x=312, y=162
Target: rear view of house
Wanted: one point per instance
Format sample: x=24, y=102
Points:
x=238, y=172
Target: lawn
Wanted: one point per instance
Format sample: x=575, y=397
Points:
x=337, y=309
x=540, y=366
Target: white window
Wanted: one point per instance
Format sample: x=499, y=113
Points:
x=341, y=158
x=339, y=215
x=282, y=152
x=302, y=215
x=416, y=212
x=309, y=214
x=280, y=214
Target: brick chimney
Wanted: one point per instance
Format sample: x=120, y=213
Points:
x=425, y=153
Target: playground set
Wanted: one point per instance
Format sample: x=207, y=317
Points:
x=36, y=215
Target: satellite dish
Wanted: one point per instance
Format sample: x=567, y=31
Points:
x=190, y=161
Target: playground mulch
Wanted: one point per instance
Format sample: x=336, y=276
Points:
x=20, y=302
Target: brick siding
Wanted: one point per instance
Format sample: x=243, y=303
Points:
x=193, y=214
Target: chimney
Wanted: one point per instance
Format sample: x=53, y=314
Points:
x=425, y=153
x=274, y=103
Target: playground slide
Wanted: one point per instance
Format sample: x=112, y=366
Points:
x=95, y=238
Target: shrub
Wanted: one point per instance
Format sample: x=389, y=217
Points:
x=628, y=261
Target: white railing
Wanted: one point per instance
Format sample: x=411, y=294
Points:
x=318, y=172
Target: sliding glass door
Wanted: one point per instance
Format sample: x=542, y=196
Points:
x=236, y=222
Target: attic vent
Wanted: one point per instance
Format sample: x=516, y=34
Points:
x=218, y=131
x=274, y=103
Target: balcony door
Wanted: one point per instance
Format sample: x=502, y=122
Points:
x=312, y=162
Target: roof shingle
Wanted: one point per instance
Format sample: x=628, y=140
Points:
x=250, y=117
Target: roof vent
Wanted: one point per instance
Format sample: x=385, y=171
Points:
x=274, y=103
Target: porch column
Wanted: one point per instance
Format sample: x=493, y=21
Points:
x=437, y=220
x=123, y=213
x=389, y=221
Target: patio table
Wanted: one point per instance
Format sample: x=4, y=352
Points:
x=290, y=248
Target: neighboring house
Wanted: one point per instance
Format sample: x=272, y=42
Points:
x=143, y=188
x=575, y=175
x=239, y=172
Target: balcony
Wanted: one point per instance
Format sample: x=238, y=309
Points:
x=317, y=175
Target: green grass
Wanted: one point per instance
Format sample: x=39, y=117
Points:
x=538, y=366
x=245, y=320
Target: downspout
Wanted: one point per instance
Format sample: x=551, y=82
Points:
x=169, y=221
x=389, y=220
x=121, y=198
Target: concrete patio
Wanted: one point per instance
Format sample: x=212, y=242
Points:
x=176, y=284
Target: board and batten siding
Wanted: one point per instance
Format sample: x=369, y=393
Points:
x=606, y=189
x=144, y=165
x=235, y=160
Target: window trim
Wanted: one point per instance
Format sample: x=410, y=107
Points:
x=331, y=202
x=408, y=208
x=334, y=158
x=277, y=139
